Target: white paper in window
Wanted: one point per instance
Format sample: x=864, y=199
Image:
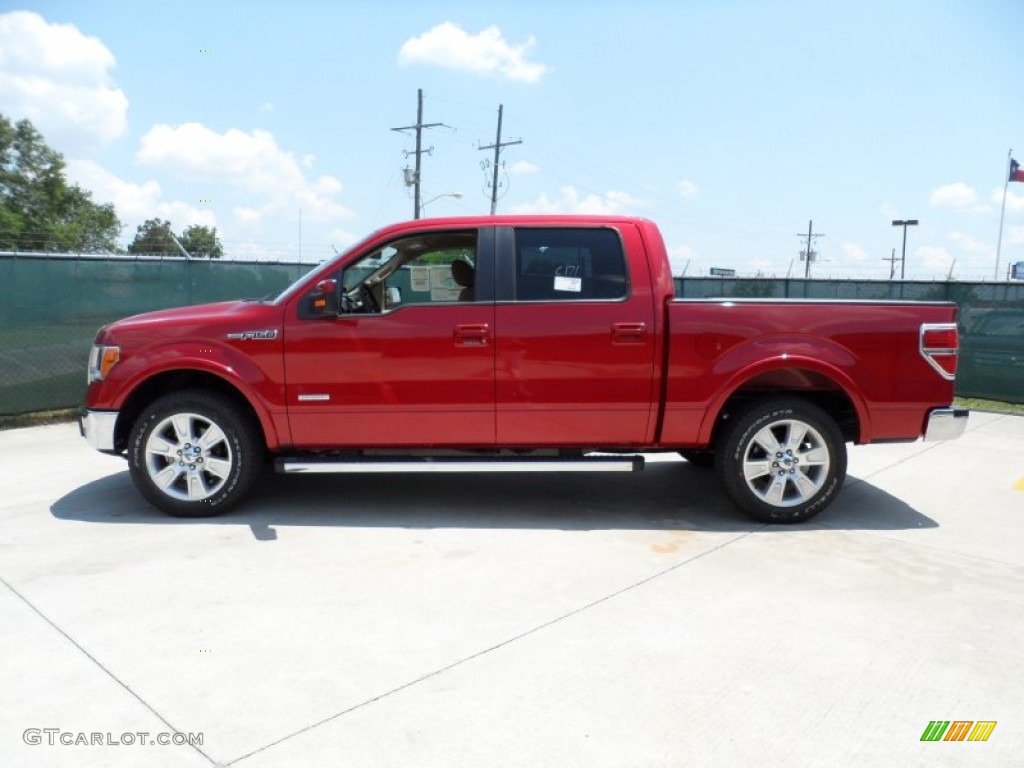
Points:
x=571, y=284
x=419, y=279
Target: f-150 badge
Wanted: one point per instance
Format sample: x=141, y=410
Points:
x=267, y=334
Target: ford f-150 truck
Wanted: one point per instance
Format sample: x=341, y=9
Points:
x=515, y=343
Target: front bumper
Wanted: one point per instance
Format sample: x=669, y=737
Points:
x=946, y=423
x=97, y=427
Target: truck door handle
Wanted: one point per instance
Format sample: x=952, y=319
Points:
x=472, y=335
x=629, y=333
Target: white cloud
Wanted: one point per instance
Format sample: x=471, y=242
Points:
x=523, y=167
x=956, y=195
x=135, y=203
x=251, y=250
x=970, y=244
x=487, y=53
x=933, y=257
x=890, y=211
x=1014, y=202
x=246, y=215
x=1015, y=236
x=687, y=189
x=680, y=258
x=59, y=79
x=250, y=162
x=341, y=238
x=570, y=201
x=855, y=253
x=266, y=107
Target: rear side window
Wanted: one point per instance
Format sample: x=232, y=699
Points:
x=569, y=265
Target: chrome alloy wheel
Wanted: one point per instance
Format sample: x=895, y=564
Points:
x=786, y=463
x=188, y=457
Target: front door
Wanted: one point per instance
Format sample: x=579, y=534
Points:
x=409, y=361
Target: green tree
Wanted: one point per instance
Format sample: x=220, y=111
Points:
x=39, y=210
x=153, y=236
x=156, y=236
x=202, y=241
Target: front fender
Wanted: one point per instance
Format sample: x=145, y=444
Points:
x=219, y=359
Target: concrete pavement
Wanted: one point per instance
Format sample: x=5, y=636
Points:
x=546, y=620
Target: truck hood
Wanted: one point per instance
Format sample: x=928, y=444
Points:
x=198, y=320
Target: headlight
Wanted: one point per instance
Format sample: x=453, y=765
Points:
x=101, y=359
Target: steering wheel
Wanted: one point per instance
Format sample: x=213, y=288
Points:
x=359, y=301
x=369, y=301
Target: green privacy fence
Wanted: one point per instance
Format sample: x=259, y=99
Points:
x=51, y=307
x=991, y=319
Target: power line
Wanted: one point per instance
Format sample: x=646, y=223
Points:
x=418, y=127
x=497, y=147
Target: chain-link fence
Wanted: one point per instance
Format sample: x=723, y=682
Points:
x=51, y=307
x=991, y=319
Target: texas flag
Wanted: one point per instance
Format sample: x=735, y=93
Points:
x=1016, y=172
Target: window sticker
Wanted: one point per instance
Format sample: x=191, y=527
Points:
x=442, y=286
x=570, y=284
x=419, y=279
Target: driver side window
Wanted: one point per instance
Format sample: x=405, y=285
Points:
x=434, y=268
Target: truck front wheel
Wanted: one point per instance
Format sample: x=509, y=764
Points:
x=782, y=460
x=194, y=453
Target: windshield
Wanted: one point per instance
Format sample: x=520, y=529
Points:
x=291, y=289
x=295, y=285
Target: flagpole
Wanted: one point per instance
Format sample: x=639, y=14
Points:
x=1002, y=213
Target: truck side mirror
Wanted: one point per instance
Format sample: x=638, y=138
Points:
x=323, y=301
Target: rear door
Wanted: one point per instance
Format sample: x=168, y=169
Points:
x=575, y=323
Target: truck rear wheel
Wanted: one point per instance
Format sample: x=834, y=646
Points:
x=782, y=460
x=194, y=453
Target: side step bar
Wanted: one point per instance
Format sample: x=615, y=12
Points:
x=429, y=464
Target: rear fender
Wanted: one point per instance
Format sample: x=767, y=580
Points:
x=829, y=364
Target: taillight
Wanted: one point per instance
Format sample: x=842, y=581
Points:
x=940, y=343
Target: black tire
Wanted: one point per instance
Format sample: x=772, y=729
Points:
x=194, y=453
x=699, y=457
x=801, y=474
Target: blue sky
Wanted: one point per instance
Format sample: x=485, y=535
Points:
x=729, y=123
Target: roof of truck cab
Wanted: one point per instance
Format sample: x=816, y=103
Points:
x=513, y=220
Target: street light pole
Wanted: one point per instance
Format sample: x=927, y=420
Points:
x=456, y=195
x=903, y=259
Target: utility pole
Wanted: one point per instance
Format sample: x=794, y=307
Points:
x=892, y=264
x=809, y=253
x=418, y=127
x=497, y=146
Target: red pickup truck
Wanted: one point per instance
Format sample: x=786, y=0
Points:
x=515, y=343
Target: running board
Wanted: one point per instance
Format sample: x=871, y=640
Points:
x=429, y=464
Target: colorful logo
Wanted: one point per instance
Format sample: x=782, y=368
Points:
x=958, y=730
